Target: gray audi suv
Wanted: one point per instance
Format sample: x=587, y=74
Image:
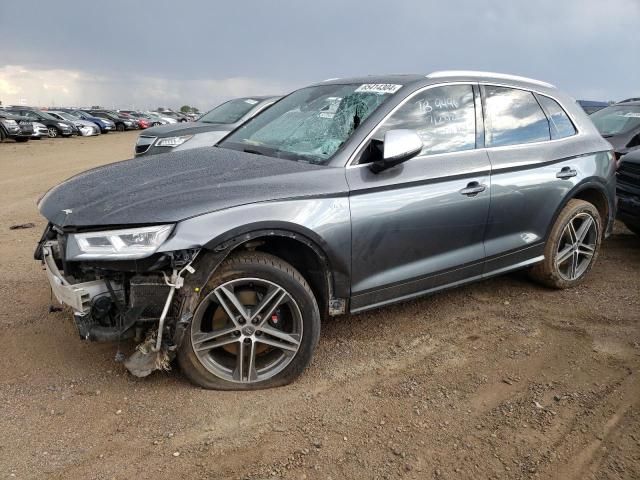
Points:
x=343, y=196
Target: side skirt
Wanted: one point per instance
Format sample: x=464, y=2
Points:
x=493, y=273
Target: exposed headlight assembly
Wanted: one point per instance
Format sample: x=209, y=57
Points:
x=127, y=243
x=63, y=124
x=172, y=141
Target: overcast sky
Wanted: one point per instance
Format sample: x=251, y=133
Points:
x=123, y=53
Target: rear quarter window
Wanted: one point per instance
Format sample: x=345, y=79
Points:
x=560, y=124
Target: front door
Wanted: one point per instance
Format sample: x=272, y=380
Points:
x=420, y=225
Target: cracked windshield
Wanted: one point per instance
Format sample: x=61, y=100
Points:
x=311, y=124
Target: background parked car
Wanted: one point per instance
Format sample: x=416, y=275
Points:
x=628, y=191
x=55, y=126
x=633, y=99
x=39, y=131
x=179, y=117
x=620, y=125
x=120, y=122
x=15, y=127
x=163, y=120
x=592, y=106
x=106, y=125
x=206, y=132
x=85, y=127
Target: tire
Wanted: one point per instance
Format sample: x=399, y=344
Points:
x=2, y=135
x=567, y=260
x=634, y=227
x=120, y=127
x=22, y=139
x=237, y=274
x=53, y=132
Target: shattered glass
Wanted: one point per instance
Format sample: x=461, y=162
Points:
x=310, y=124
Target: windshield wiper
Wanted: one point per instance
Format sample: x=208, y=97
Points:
x=255, y=152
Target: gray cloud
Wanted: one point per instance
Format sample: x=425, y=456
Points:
x=201, y=52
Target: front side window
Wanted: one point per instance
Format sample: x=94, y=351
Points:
x=513, y=117
x=617, y=119
x=310, y=124
x=559, y=122
x=444, y=118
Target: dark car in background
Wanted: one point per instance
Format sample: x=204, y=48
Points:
x=55, y=126
x=122, y=123
x=106, y=125
x=206, y=131
x=343, y=196
x=628, y=191
x=592, y=106
x=14, y=126
x=620, y=125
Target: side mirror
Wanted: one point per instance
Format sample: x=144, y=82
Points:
x=398, y=147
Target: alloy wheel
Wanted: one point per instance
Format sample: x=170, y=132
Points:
x=247, y=330
x=577, y=246
x=53, y=132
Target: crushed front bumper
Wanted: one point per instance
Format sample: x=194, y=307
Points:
x=78, y=296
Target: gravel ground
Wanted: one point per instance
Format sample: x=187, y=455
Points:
x=502, y=379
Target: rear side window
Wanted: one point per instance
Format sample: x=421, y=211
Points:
x=444, y=118
x=559, y=122
x=512, y=117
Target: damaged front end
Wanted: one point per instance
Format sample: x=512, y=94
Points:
x=117, y=296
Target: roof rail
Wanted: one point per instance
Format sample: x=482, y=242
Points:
x=472, y=73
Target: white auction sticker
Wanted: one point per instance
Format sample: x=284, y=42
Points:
x=378, y=88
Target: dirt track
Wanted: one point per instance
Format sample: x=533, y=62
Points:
x=501, y=379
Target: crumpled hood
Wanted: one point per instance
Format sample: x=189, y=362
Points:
x=185, y=128
x=170, y=187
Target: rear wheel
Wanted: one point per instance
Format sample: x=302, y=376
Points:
x=256, y=326
x=120, y=127
x=53, y=132
x=572, y=246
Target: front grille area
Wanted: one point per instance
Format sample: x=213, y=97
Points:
x=143, y=143
x=148, y=294
x=629, y=173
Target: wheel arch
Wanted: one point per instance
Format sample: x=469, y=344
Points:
x=593, y=191
x=298, y=246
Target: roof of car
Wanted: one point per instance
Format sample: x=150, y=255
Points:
x=443, y=76
x=628, y=104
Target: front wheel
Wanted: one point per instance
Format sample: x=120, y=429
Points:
x=572, y=246
x=120, y=127
x=53, y=132
x=256, y=326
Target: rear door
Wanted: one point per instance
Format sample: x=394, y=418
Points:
x=532, y=172
x=420, y=225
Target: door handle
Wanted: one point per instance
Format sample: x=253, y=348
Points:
x=472, y=189
x=566, y=172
